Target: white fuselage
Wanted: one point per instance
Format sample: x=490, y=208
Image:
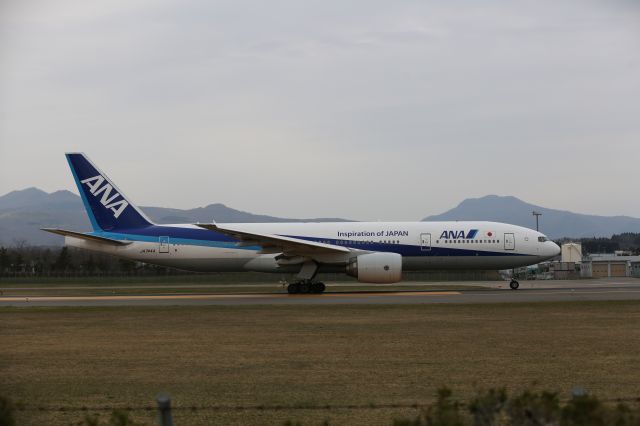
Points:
x=422, y=245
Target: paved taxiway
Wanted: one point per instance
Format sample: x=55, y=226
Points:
x=497, y=292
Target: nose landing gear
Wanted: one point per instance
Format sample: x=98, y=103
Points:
x=306, y=287
x=514, y=284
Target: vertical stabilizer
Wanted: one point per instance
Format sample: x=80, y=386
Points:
x=107, y=206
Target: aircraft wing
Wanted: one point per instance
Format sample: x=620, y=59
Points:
x=88, y=237
x=278, y=242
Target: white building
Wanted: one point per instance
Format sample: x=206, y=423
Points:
x=571, y=252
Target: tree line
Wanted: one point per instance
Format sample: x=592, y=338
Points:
x=23, y=260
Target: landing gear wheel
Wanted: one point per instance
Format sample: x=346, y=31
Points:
x=293, y=288
x=317, y=288
x=514, y=285
x=305, y=287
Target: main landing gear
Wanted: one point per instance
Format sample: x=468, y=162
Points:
x=514, y=284
x=306, y=287
x=305, y=283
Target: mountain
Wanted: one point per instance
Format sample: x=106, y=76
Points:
x=23, y=213
x=553, y=223
x=34, y=197
x=220, y=213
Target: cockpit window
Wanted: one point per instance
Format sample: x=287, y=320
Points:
x=542, y=239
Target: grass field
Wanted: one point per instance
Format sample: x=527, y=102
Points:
x=306, y=356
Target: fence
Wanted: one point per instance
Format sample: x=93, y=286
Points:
x=493, y=399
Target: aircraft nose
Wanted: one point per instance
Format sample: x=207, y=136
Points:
x=554, y=249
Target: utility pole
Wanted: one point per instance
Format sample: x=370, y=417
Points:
x=537, y=215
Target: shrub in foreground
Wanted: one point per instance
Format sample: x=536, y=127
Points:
x=494, y=407
x=6, y=412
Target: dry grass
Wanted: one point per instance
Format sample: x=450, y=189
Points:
x=308, y=355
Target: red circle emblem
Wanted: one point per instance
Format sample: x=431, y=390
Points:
x=490, y=233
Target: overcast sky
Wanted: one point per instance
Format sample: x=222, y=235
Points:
x=389, y=110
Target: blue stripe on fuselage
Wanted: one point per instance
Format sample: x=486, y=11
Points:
x=207, y=238
x=178, y=235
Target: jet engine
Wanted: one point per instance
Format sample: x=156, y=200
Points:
x=379, y=268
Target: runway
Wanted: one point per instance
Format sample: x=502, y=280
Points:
x=583, y=290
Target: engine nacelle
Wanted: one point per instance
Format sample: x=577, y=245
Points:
x=379, y=268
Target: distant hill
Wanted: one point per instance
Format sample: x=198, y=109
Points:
x=23, y=213
x=554, y=223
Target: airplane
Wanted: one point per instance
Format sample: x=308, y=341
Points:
x=372, y=252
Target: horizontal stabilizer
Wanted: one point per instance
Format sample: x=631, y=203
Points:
x=88, y=237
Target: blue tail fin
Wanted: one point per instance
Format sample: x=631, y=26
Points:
x=106, y=205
